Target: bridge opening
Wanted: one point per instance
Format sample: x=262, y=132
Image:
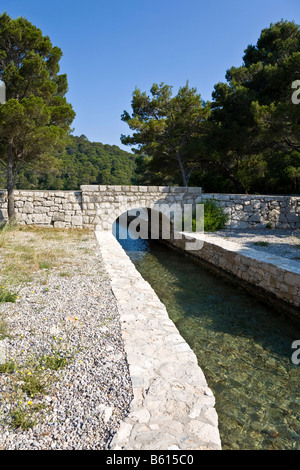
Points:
x=148, y=224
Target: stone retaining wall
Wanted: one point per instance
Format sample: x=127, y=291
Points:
x=271, y=277
x=257, y=211
x=173, y=407
x=54, y=208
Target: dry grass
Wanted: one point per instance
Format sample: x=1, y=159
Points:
x=25, y=250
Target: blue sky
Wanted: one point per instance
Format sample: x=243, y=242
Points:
x=112, y=46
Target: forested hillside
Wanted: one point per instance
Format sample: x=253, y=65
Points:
x=83, y=162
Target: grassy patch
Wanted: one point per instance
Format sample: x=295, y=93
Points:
x=29, y=381
x=25, y=415
x=261, y=243
x=65, y=274
x=5, y=228
x=34, y=383
x=7, y=296
x=25, y=250
x=4, y=329
x=56, y=361
x=45, y=265
x=8, y=367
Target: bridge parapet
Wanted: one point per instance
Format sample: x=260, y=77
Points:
x=94, y=206
x=66, y=209
x=141, y=189
x=102, y=205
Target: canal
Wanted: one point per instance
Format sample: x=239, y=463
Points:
x=242, y=346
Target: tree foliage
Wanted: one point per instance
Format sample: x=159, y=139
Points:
x=246, y=140
x=36, y=118
x=255, y=125
x=167, y=129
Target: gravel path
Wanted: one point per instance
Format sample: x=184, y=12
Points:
x=285, y=243
x=75, y=318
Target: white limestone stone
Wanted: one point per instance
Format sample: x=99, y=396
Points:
x=166, y=378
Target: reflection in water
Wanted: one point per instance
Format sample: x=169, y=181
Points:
x=243, y=347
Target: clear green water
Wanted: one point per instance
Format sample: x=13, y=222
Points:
x=243, y=347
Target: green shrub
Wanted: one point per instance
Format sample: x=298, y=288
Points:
x=214, y=217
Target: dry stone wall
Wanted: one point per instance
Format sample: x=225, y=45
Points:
x=98, y=206
x=62, y=209
x=257, y=211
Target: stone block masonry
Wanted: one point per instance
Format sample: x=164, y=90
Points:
x=270, y=277
x=61, y=209
x=173, y=407
x=97, y=207
x=258, y=211
x=102, y=206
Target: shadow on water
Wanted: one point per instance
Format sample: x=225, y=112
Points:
x=242, y=345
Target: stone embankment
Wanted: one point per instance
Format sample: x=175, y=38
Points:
x=173, y=408
x=266, y=274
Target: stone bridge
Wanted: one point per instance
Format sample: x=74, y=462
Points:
x=102, y=205
x=99, y=206
x=95, y=207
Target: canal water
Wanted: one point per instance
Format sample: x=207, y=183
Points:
x=242, y=346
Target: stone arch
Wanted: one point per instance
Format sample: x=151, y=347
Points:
x=101, y=205
x=106, y=217
x=159, y=224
